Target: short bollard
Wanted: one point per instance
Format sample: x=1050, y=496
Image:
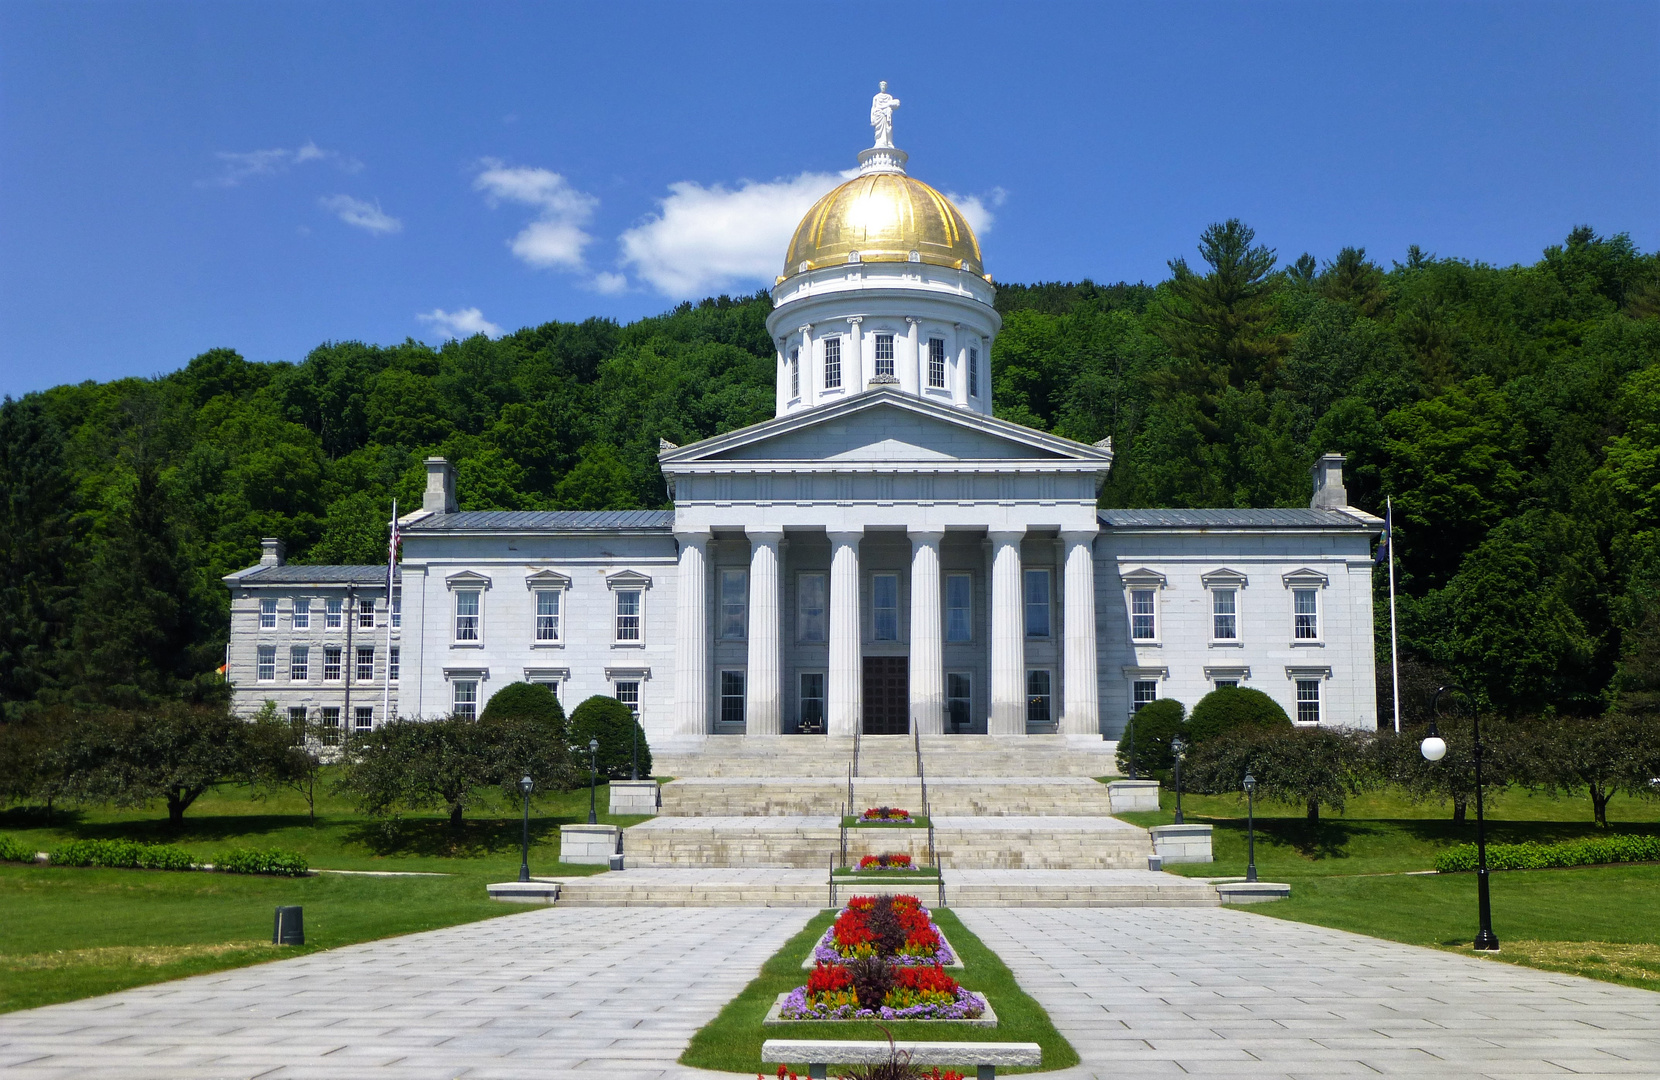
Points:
x=289, y=928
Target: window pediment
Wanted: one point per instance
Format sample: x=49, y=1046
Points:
x=628, y=579
x=1146, y=673
x=1307, y=672
x=1224, y=579
x=1143, y=578
x=467, y=579
x=1305, y=579
x=451, y=673
x=1214, y=673
x=547, y=579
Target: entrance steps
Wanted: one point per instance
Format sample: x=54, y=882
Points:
x=952, y=796
x=891, y=756
x=687, y=887
x=1009, y=842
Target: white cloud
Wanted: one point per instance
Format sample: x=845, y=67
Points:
x=556, y=237
x=237, y=166
x=976, y=210
x=460, y=324
x=609, y=284
x=363, y=215
x=708, y=238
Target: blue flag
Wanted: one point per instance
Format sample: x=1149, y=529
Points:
x=1387, y=543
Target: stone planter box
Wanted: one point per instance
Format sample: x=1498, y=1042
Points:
x=1133, y=795
x=1182, y=843
x=524, y=892
x=591, y=845
x=1251, y=892
x=634, y=796
x=774, y=1018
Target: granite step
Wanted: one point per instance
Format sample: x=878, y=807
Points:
x=1021, y=796
x=891, y=756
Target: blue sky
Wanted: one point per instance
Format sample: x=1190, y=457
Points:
x=177, y=177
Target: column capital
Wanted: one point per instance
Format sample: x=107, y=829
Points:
x=695, y=537
x=847, y=534
x=1080, y=536
x=855, y=319
x=912, y=319
x=804, y=328
x=1005, y=536
x=925, y=536
x=764, y=534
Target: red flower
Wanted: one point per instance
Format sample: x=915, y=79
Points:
x=826, y=978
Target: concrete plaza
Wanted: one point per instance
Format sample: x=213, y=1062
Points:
x=617, y=992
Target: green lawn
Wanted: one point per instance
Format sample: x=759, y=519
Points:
x=71, y=933
x=732, y=1041
x=1363, y=871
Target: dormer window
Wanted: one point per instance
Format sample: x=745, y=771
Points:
x=884, y=354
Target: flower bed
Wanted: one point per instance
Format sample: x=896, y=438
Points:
x=886, y=813
x=915, y=992
x=894, y=928
x=893, y=860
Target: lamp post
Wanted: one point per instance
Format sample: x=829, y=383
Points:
x=1178, y=749
x=524, y=852
x=1131, y=726
x=1434, y=748
x=633, y=749
x=593, y=779
x=1250, y=827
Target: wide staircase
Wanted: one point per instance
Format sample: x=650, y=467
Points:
x=1014, y=821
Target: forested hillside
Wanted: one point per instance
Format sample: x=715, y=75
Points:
x=1512, y=413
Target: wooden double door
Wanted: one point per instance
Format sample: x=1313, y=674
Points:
x=887, y=695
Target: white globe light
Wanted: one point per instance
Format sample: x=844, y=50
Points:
x=1434, y=748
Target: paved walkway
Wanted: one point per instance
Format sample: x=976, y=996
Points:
x=1223, y=993
x=617, y=992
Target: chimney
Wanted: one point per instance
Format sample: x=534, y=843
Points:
x=440, y=493
x=272, y=552
x=1328, y=483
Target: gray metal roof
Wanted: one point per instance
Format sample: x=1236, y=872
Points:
x=294, y=574
x=546, y=521
x=1294, y=518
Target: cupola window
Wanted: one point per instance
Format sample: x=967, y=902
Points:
x=884, y=354
x=973, y=372
x=936, y=362
x=795, y=373
x=832, y=363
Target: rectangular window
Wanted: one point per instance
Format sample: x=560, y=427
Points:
x=268, y=614
x=363, y=717
x=1145, y=691
x=331, y=663
x=464, y=698
x=1143, y=622
x=267, y=671
x=959, y=700
x=936, y=362
x=959, y=607
x=734, y=604
x=1304, y=604
x=884, y=354
x=973, y=372
x=1038, y=712
x=466, y=615
x=628, y=692
x=296, y=723
x=809, y=607
x=299, y=663
x=628, y=614
x=397, y=606
x=547, y=614
x=330, y=723
x=365, y=614
x=1227, y=684
x=1308, y=701
x=365, y=664
x=332, y=609
x=1224, y=624
x=1037, y=603
x=884, y=604
x=795, y=373
x=731, y=697
x=812, y=702
x=392, y=666
x=551, y=684
x=832, y=363
x=302, y=614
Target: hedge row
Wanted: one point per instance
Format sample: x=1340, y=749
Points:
x=13, y=851
x=262, y=861
x=123, y=855
x=1531, y=856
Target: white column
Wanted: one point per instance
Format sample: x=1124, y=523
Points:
x=845, y=708
x=918, y=376
x=1081, y=713
x=691, y=642
x=854, y=376
x=1008, y=637
x=927, y=640
x=783, y=388
x=959, y=382
x=765, y=678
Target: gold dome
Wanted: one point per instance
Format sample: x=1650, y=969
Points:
x=884, y=216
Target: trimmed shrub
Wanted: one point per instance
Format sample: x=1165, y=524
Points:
x=526, y=701
x=1151, y=728
x=1230, y=708
x=611, y=722
x=13, y=850
x=1532, y=856
x=122, y=855
x=274, y=861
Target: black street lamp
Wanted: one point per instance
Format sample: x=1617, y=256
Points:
x=1434, y=748
x=1131, y=725
x=593, y=779
x=1178, y=748
x=634, y=749
x=524, y=852
x=1250, y=827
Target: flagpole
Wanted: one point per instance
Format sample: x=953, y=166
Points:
x=391, y=572
x=1394, y=657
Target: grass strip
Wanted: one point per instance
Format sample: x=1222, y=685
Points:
x=853, y=821
x=732, y=1040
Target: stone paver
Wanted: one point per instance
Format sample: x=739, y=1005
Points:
x=587, y=991
x=1220, y=993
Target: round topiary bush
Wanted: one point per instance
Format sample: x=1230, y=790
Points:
x=1230, y=707
x=526, y=701
x=1152, y=728
x=613, y=724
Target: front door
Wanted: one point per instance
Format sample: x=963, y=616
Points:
x=887, y=695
